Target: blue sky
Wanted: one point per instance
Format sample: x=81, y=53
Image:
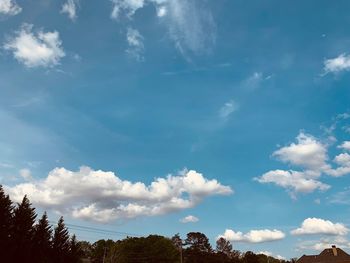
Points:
x=140, y=115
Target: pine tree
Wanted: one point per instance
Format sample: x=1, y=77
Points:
x=75, y=252
x=42, y=240
x=60, y=243
x=22, y=231
x=6, y=209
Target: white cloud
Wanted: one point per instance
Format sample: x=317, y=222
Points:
x=9, y=7
x=311, y=155
x=343, y=160
x=135, y=42
x=342, y=197
x=190, y=23
x=128, y=6
x=40, y=49
x=253, y=236
x=189, y=219
x=270, y=254
x=308, y=153
x=345, y=146
x=70, y=8
x=324, y=243
x=254, y=80
x=228, y=108
x=103, y=197
x=26, y=174
x=335, y=65
x=320, y=226
x=191, y=26
x=161, y=11
x=293, y=181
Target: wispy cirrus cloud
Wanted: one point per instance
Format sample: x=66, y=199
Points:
x=189, y=23
x=135, y=42
x=227, y=109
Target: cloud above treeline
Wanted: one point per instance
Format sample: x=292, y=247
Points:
x=312, y=226
x=253, y=236
x=310, y=156
x=102, y=196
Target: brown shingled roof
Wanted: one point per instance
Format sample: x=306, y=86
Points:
x=326, y=256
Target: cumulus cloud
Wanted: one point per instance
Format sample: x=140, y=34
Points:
x=338, y=64
x=293, y=181
x=345, y=146
x=26, y=174
x=227, y=109
x=320, y=226
x=102, y=196
x=253, y=236
x=35, y=49
x=70, y=8
x=9, y=7
x=270, y=254
x=135, y=42
x=324, y=243
x=189, y=219
x=307, y=152
x=311, y=156
x=189, y=23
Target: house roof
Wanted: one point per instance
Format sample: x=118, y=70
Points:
x=327, y=256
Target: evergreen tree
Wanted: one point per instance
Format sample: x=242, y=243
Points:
x=6, y=209
x=42, y=240
x=60, y=243
x=75, y=252
x=22, y=231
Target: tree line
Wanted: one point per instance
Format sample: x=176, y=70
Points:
x=196, y=248
x=23, y=238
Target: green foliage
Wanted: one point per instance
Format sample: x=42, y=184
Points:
x=152, y=249
x=198, y=242
x=100, y=249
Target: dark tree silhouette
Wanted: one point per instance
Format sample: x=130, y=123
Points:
x=250, y=257
x=223, y=246
x=198, y=248
x=75, y=252
x=198, y=241
x=22, y=231
x=42, y=240
x=60, y=243
x=6, y=209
